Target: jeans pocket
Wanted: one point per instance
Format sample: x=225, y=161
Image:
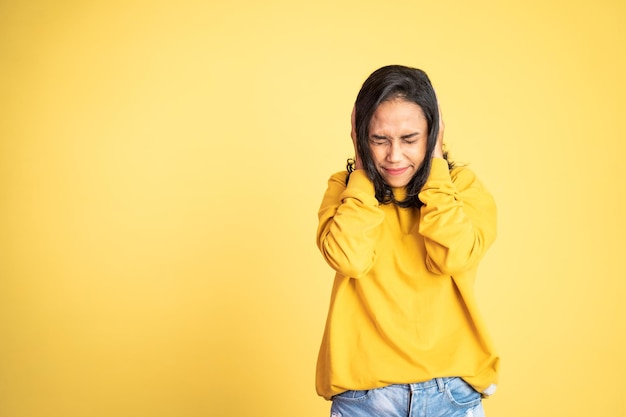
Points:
x=351, y=395
x=461, y=394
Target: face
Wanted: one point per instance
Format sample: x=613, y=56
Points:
x=398, y=134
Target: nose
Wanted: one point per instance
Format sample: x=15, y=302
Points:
x=394, y=153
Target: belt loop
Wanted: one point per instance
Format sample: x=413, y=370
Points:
x=440, y=384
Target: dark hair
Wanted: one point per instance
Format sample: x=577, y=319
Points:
x=389, y=83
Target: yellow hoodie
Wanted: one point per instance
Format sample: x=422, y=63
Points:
x=402, y=307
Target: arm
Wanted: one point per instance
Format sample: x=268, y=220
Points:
x=349, y=224
x=457, y=220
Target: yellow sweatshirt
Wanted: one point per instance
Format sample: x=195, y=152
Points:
x=402, y=307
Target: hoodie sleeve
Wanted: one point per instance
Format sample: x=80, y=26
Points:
x=457, y=220
x=349, y=224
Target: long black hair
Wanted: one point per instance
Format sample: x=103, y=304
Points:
x=389, y=83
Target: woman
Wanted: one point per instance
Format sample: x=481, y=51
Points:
x=405, y=231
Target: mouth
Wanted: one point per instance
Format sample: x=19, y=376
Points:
x=395, y=171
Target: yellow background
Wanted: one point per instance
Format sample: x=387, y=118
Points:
x=161, y=166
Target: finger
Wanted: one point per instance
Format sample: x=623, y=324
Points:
x=353, y=124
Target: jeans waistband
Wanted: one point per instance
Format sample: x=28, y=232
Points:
x=435, y=382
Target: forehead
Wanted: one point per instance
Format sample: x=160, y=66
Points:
x=398, y=113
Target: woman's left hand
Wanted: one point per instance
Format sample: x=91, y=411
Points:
x=438, y=151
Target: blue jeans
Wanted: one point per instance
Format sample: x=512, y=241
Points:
x=440, y=397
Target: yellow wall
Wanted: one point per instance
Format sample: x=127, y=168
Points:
x=161, y=166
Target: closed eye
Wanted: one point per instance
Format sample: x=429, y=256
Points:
x=410, y=138
x=379, y=140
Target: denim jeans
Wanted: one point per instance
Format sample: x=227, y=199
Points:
x=440, y=397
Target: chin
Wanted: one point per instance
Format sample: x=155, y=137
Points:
x=396, y=183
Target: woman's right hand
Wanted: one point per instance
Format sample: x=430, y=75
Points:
x=357, y=160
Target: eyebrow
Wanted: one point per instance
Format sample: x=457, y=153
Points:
x=410, y=135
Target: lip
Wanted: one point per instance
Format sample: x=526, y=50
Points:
x=395, y=171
